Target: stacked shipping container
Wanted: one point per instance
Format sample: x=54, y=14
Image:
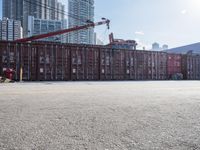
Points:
x=63, y=62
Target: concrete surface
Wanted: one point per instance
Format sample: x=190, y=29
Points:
x=100, y=116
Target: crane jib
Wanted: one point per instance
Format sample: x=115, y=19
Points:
x=41, y=36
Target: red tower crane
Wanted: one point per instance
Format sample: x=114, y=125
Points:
x=41, y=36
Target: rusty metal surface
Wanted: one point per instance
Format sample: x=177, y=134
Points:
x=174, y=63
x=46, y=61
x=191, y=67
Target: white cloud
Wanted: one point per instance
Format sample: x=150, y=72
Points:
x=139, y=32
x=184, y=11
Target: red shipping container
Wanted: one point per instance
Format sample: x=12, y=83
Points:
x=106, y=60
x=118, y=67
x=92, y=63
x=174, y=64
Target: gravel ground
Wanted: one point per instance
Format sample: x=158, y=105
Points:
x=100, y=116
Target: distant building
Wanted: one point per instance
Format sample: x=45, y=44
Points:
x=18, y=30
x=80, y=11
x=64, y=37
x=10, y=29
x=43, y=9
x=155, y=46
x=194, y=48
x=4, y=31
x=0, y=30
x=60, y=11
x=42, y=26
x=165, y=47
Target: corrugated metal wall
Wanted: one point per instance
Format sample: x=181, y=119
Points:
x=64, y=62
x=191, y=66
x=174, y=66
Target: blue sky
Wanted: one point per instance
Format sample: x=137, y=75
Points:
x=172, y=22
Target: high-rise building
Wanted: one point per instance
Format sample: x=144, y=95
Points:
x=42, y=26
x=60, y=11
x=21, y=9
x=0, y=30
x=64, y=37
x=53, y=14
x=4, y=32
x=18, y=31
x=10, y=29
x=80, y=11
x=155, y=46
x=13, y=9
x=165, y=47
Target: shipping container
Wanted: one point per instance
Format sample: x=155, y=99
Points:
x=140, y=65
x=92, y=63
x=27, y=66
x=106, y=62
x=39, y=61
x=191, y=66
x=77, y=63
x=9, y=57
x=130, y=65
x=162, y=66
x=150, y=65
x=118, y=64
x=174, y=66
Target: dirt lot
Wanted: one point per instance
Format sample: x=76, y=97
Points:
x=100, y=116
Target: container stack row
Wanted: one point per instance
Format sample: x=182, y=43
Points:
x=72, y=62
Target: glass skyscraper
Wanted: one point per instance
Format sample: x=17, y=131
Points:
x=41, y=9
x=79, y=12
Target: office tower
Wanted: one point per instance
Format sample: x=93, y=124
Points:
x=21, y=9
x=155, y=46
x=10, y=29
x=12, y=9
x=18, y=31
x=53, y=14
x=60, y=11
x=4, y=29
x=79, y=12
x=0, y=30
x=165, y=47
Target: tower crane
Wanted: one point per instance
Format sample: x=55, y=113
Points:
x=46, y=35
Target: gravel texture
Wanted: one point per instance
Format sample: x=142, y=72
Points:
x=150, y=115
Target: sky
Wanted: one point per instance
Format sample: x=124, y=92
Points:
x=172, y=22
